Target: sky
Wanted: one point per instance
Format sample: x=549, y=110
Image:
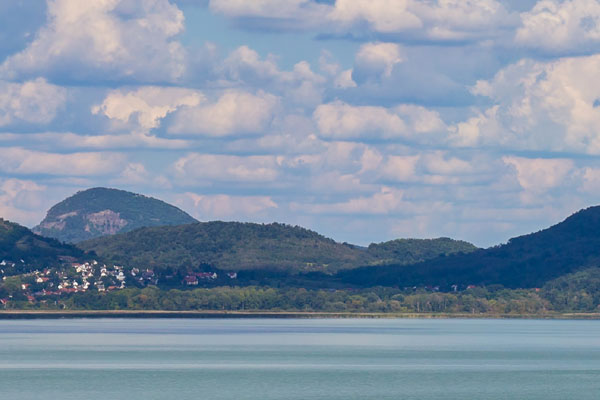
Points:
x=365, y=120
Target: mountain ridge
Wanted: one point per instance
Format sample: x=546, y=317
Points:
x=524, y=261
x=245, y=246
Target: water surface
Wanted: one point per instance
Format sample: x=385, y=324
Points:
x=299, y=359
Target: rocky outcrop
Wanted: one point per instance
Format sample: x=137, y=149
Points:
x=100, y=212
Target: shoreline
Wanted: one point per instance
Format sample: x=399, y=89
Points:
x=159, y=314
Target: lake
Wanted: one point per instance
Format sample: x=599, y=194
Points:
x=299, y=359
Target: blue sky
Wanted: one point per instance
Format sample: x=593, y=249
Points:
x=365, y=120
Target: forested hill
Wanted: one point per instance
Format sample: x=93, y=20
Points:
x=410, y=251
x=242, y=246
x=19, y=243
x=101, y=211
x=525, y=261
x=228, y=246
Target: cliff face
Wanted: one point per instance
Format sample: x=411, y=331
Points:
x=100, y=212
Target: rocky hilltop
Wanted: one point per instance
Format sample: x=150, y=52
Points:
x=100, y=212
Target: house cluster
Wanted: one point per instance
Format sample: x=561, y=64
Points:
x=55, y=282
x=144, y=278
x=193, y=279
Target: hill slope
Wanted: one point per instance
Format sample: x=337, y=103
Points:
x=19, y=243
x=410, y=251
x=525, y=261
x=244, y=246
x=229, y=246
x=101, y=211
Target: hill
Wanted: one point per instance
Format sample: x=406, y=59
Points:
x=525, y=261
x=410, y=251
x=228, y=246
x=24, y=248
x=101, y=211
x=247, y=246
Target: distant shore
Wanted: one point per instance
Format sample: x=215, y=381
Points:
x=47, y=314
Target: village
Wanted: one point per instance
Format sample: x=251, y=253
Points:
x=76, y=277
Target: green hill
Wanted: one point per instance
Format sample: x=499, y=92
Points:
x=19, y=243
x=525, y=261
x=410, y=251
x=228, y=246
x=247, y=246
x=101, y=211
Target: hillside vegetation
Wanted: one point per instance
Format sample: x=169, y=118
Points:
x=525, y=261
x=246, y=246
x=19, y=243
x=410, y=251
x=101, y=211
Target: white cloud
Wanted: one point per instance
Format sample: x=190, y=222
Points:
x=338, y=120
x=381, y=15
x=437, y=20
x=213, y=167
x=438, y=163
x=73, y=141
x=591, y=180
x=344, y=80
x=538, y=174
x=387, y=200
x=539, y=106
x=133, y=174
x=24, y=161
x=34, y=101
x=376, y=59
x=561, y=27
x=301, y=85
x=105, y=39
x=440, y=20
x=234, y=112
x=146, y=105
x=420, y=119
x=400, y=168
x=288, y=9
x=206, y=207
x=21, y=200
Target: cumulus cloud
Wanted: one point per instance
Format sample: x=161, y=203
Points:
x=286, y=14
x=339, y=120
x=146, y=106
x=235, y=112
x=375, y=60
x=438, y=20
x=540, y=174
x=224, y=206
x=21, y=200
x=24, y=161
x=74, y=141
x=387, y=200
x=35, y=101
x=561, y=27
x=108, y=40
x=214, y=167
x=245, y=67
x=591, y=180
x=381, y=15
x=539, y=106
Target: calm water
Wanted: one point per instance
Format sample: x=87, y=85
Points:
x=299, y=359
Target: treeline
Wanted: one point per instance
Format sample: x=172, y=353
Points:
x=577, y=292
x=477, y=301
